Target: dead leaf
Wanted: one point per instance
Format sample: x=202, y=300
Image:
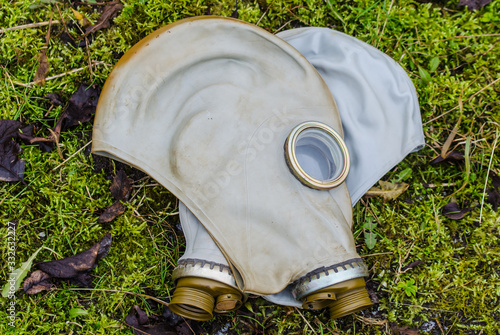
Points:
x=493, y=199
x=43, y=61
x=75, y=267
x=109, y=13
x=170, y=317
x=121, y=186
x=54, y=98
x=405, y=330
x=411, y=265
x=82, y=20
x=387, y=190
x=43, y=67
x=453, y=211
x=139, y=320
x=451, y=156
x=81, y=107
x=495, y=180
x=373, y=296
x=120, y=189
x=11, y=166
x=113, y=211
x=37, y=282
x=473, y=4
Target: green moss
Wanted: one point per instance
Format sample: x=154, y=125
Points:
x=458, y=283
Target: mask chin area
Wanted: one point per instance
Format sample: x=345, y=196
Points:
x=317, y=155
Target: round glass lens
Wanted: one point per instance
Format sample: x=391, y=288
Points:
x=319, y=154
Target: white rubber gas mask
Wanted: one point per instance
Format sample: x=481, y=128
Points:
x=352, y=70
x=243, y=130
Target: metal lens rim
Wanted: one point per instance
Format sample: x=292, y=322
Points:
x=297, y=170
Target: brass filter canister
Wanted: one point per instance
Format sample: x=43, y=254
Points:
x=203, y=288
x=341, y=299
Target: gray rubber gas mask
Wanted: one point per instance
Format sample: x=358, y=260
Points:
x=243, y=130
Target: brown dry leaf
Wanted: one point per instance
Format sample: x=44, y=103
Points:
x=113, y=211
x=81, y=107
x=121, y=186
x=110, y=12
x=43, y=67
x=74, y=266
x=389, y=191
x=139, y=320
x=397, y=330
x=493, y=199
x=120, y=189
x=473, y=4
x=82, y=20
x=37, y=282
x=453, y=211
x=412, y=265
x=43, y=61
x=450, y=156
x=11, y=166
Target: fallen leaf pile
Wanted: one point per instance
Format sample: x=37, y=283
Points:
x=76, y=268
x=80, y=108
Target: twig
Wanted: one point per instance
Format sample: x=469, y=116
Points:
x=56, y=141
x=142, y=332
x=487, y=175
x=116, y=291
x=440, y=327
x=92, y=3
x=67, y=159
x=431, y=309
x=440, y=185
x=64, y=22
x=283, y=26
x=305, y=320
x=451, y=137
x=440, y=116
x=386, y=19
x=264, y=14
x=59, y=75
x=469, y=36
x=472, y=96
x=401, y=262
x=31, y=25
x=378, y=254
x=188, y=325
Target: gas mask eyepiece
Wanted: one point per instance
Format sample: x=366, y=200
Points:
x=317, y=155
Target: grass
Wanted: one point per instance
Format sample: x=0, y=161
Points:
x=450, y=53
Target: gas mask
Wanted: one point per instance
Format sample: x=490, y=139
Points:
x=240, y=127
